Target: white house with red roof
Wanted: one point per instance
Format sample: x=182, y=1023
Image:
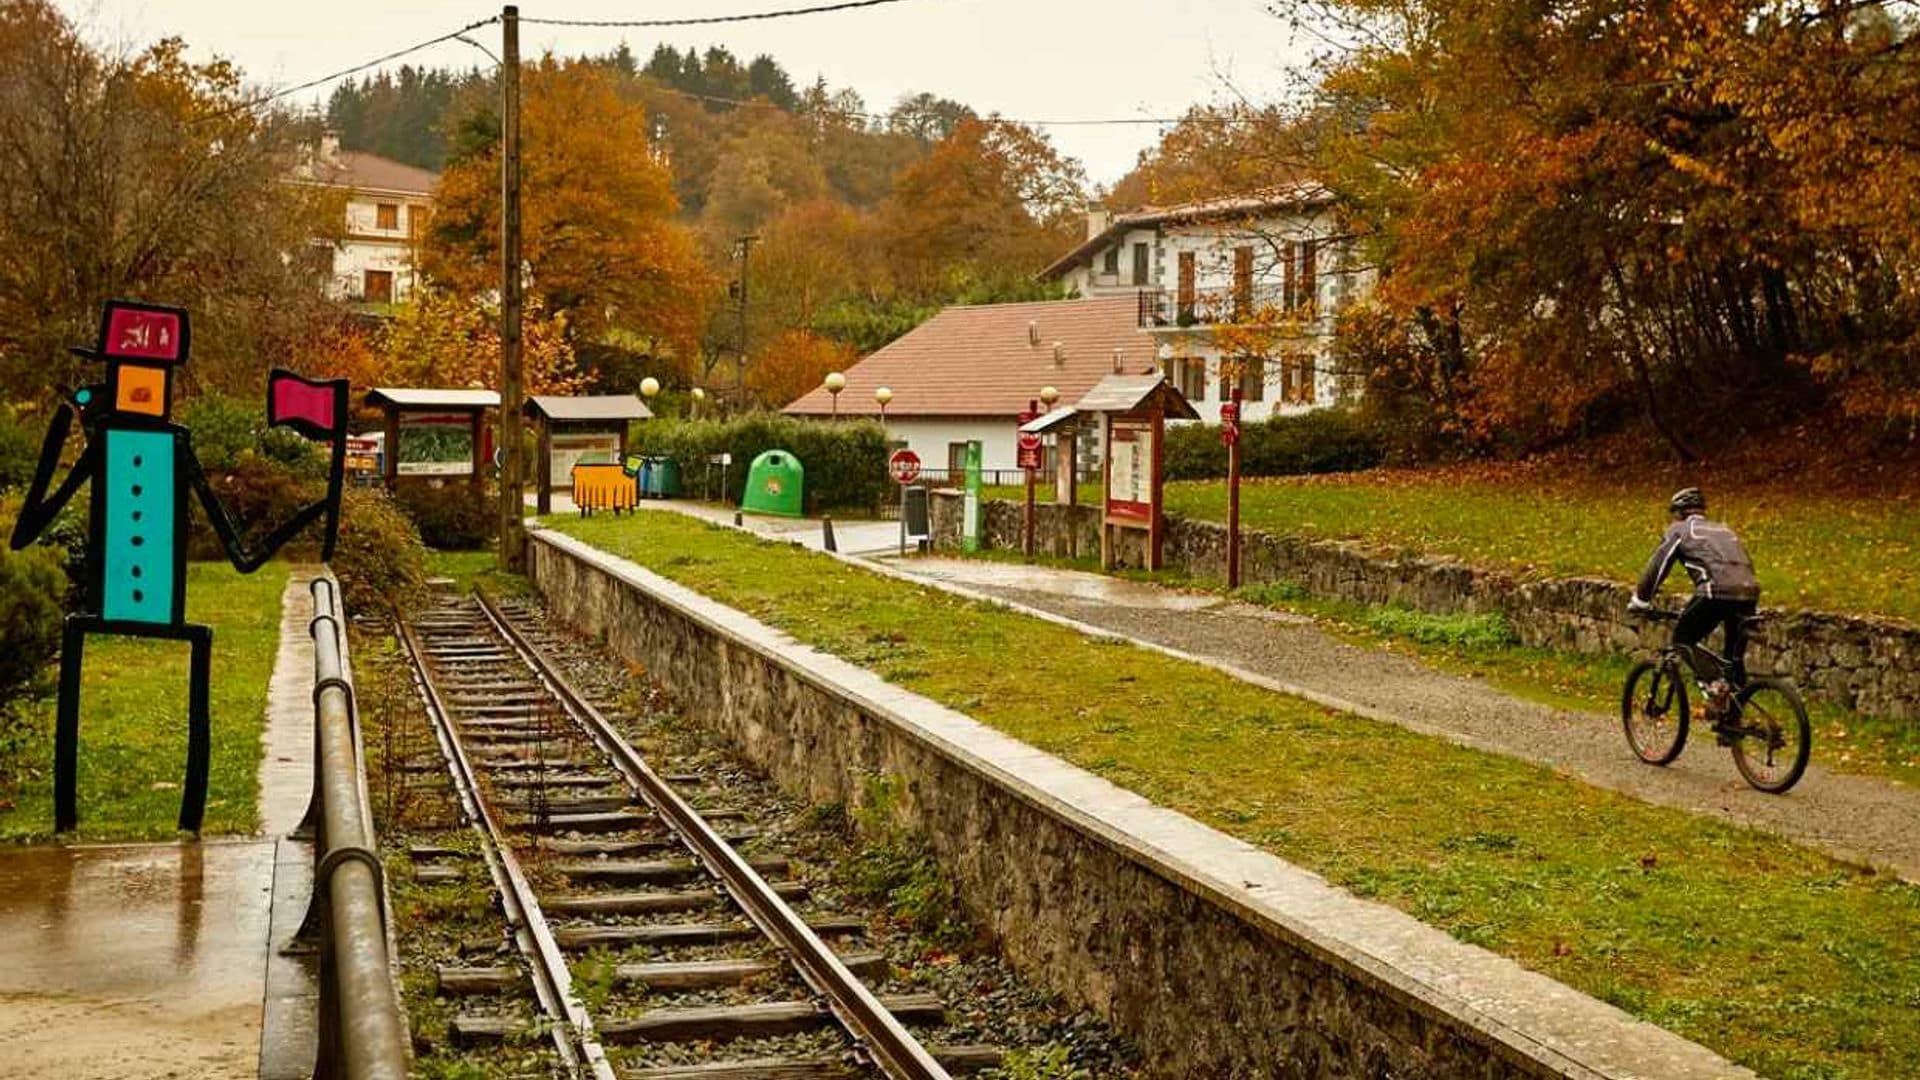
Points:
x=968, y=373
x=1276, y=259
x=388, y=203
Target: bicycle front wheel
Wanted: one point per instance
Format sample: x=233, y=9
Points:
x=1653, y=709
x=1774, y=739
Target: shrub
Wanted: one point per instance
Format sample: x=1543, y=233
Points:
x=457, y=516
x=32, y=585
x=846, y=462
x=1321, y=441
x=380, y=559
x=259, y=495
x=227, y=433
x=19, y=450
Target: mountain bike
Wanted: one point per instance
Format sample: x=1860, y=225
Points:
x=1764, y=723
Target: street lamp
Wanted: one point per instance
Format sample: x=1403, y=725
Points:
x=1049, y=395
x=882, y=395
x=836, y=382
x=649, y=387
x=698, y=396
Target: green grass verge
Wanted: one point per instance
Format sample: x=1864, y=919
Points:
x=133, y=720
x=1776, y=956
x=470, y=569
x=1813, y=550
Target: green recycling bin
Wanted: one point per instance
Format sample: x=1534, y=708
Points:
x=660, y=478
x=773, y=485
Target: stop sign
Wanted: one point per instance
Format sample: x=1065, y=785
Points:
x=904, y=465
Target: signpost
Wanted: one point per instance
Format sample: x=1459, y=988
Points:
x=1230, y=436
x=1028, y=460
x=970, y=537
x=904, y=466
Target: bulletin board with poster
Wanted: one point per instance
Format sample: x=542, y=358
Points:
x=1133, y=411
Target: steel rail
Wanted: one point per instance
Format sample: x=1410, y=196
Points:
x=573, y=1032
x=363, y=1029
x=875, y=1030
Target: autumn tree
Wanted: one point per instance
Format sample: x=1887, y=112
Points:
x=600, y=240
x=438, y=338
x=1654, y=210
x=794, y=363
x=992, y=203
x=143, y=174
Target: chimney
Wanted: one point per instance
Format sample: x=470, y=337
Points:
x=1033, y=333
x=1119, y=361
x=1059, y=355
x=1098, y=218
x=330, y=146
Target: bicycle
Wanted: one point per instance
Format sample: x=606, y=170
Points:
x=1763, y=723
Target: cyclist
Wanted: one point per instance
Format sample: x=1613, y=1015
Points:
x=1725, y=592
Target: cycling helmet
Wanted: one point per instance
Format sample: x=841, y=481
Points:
x=1687, y=499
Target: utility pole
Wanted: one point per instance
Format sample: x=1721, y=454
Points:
x=740, y=361
x=512, y=535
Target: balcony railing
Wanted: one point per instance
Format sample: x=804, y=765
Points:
x=1160, y=308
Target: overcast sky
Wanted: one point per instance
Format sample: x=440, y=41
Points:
x=1027, y=59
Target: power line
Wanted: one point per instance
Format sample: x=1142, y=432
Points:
x=762, y=103
x=709, y=20
x=276, y=95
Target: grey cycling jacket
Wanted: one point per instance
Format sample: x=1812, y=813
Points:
x=1712, y=556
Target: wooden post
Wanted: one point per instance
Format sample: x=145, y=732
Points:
x=1233, y=492
x=1157, y=527
x=391, y=464
x=478, y=427
x=1106, y=488
x=512, y=549
x=543, y=469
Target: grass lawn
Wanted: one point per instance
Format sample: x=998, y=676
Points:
x=1778, y=957
x=1814, y=549
x=133, y=720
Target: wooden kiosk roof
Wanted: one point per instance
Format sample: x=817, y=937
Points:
x=410, y=398
x=602, y=408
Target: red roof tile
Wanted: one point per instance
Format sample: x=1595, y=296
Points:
x=363, y=171
x=977, y=361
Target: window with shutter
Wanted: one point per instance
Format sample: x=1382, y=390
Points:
x=1289, y=298
x=1186, y=286
x=1309, y=279
x=1140, y=268
x=1242, y=282
x=1253, y=378
x=386, y=215
x=1111, y=263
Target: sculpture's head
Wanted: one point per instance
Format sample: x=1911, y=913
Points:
x=141, y=345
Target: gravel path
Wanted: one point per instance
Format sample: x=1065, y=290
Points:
x=1857, y=818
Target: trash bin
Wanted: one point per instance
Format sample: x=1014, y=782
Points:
x=666, y=478
x=773, y=485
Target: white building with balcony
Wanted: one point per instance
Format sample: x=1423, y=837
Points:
x=388, y=203
x=1240, y=289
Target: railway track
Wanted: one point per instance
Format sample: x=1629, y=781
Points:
x=592, y=853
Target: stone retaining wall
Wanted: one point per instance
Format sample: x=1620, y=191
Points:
x=1217, y=959
x=1864, y=664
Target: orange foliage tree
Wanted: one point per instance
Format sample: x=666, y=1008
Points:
x=794, y=363
x=1657, y=209
x=600, y=240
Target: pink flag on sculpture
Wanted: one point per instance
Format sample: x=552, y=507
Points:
x=316, y=408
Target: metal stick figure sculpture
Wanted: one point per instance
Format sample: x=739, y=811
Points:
x=142, y=465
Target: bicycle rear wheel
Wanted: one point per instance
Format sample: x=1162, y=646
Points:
x=1653, y=710
x=1774, y=738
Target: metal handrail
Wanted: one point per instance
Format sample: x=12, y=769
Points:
x=363, y=1029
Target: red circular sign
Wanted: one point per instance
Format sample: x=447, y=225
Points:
x=905, y=466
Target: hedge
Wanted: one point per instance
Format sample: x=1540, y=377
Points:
x=1320, y=441
x=845, y=461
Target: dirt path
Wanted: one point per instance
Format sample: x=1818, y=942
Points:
x=1860, y=819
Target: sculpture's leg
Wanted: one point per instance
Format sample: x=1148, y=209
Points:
x=193, y=800
x=66, y=730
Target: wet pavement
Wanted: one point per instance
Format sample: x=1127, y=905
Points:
x=133, y=960
x=154, y=960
